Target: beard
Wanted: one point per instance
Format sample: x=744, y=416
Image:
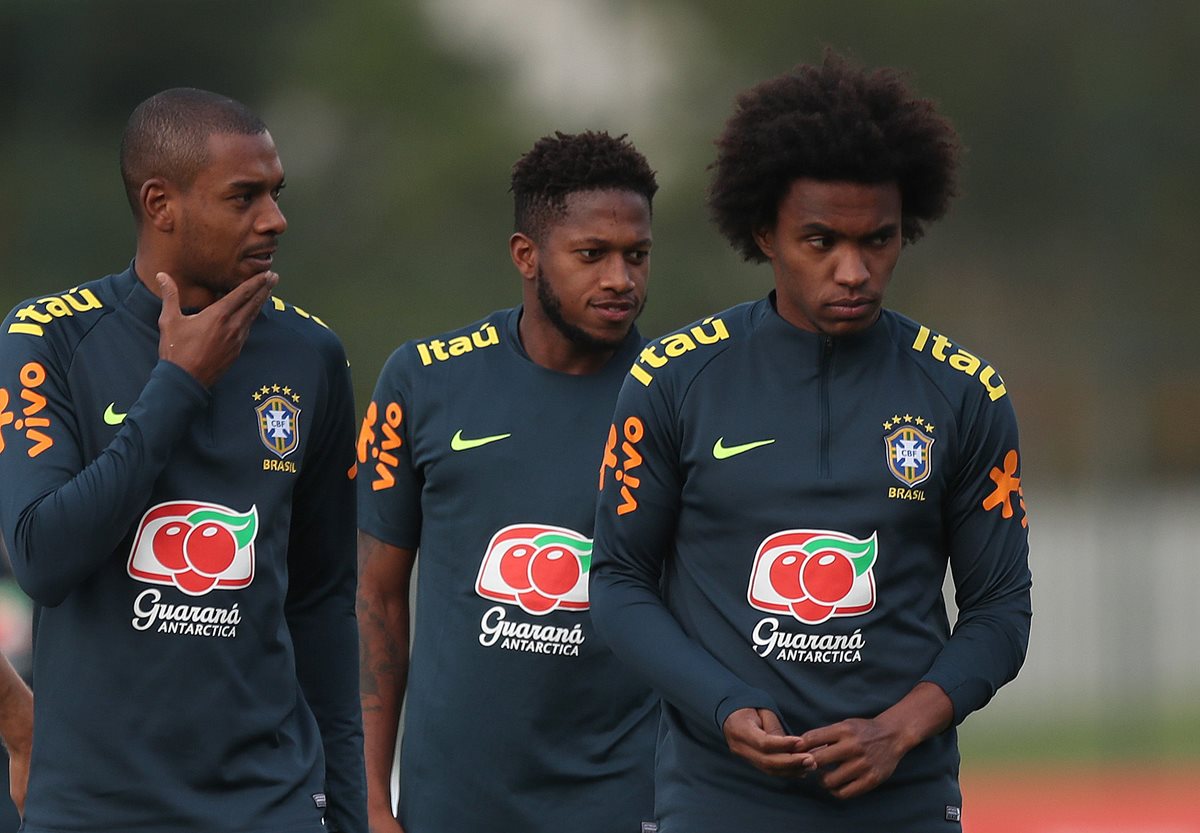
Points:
x=552, y=307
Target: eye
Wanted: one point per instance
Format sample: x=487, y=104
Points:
x=820, y=242
x=638, y=256
x=882, y=239
x=278, y=190
x=590, y=254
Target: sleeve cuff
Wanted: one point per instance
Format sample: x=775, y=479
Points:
x=750, y=698
x=967, y=694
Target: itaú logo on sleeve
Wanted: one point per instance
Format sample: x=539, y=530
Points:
x=540, y=568
x=195, y=546
x=813, y=575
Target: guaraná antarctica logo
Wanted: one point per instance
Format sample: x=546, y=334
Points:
x=537, y=567
x=813, y=575
x=195, y=546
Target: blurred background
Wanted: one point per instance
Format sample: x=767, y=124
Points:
x=1065, y=263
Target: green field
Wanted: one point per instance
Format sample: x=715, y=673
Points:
x=1166, y=736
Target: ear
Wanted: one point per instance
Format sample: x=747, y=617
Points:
x=765, y=238
x=524, y=253
x=156, y=200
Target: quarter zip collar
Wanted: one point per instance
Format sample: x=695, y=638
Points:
x=766, y=315
x=139, y=301
x=829, y=357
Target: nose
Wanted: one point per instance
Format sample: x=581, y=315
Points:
x=852, y=269
x=618, y=274
x=271, y=220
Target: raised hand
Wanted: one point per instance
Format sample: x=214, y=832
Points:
x=205, y=344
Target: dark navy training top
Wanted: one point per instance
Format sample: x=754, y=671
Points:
x=799, y=498
x=191, y=554
x=518, y=718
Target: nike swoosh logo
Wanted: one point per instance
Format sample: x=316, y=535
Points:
x=723, y=452
x=111, y=417
x=459, y=443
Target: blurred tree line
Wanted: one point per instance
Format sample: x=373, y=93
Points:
x=1065, y=262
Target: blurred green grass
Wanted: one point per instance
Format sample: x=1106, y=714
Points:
x=1166, y=735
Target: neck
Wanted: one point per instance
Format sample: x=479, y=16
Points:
x=147, y=264
x=547, y=346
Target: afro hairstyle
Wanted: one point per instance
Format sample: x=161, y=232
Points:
x=833, y=122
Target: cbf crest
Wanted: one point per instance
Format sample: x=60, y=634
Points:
x=909, y=448
x=278, y=415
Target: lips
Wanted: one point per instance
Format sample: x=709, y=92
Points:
x=260, y=259
x=852, y=307
x=615, y=310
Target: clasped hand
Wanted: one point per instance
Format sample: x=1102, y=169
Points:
x=848, y=758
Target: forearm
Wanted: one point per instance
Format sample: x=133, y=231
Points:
x=383, y=677
x=99, y=504
x=16, y=710
x=385, y=579
x=383, y=623
x=327, y=666
x=632, y=618
x=988, y=546
x=919, y=715
x=984, y=652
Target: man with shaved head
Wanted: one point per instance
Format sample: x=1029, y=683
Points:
x=175, y=445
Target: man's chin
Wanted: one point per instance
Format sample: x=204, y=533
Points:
x=608, y=338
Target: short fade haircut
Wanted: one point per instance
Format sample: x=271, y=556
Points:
x=167, y=136
x=565, y=163
x=833, y=122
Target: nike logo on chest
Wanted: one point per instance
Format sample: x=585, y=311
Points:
x=111, y=417
x=460, y=443
x=724, y=452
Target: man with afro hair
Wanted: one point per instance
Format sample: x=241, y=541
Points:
x=787, y=482
x=479, y=450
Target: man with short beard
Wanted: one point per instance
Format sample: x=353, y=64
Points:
x=480, y=449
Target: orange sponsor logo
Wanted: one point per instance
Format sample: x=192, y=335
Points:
x=381, y=452
x=29, y=420
x=633, y=431
x=1007, y=485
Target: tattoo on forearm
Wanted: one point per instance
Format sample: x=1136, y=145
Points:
x=382, y=657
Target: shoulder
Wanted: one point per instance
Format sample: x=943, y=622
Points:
x=454, y=349
x=65, y=312
x=305, y=328
x=682, y=354
x=301, y=321
x=50, y=327
x=957, y=371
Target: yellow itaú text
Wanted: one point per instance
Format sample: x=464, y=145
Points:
x=960, y=360
x=674, y=345
x=31, y=318
x=438, y=350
